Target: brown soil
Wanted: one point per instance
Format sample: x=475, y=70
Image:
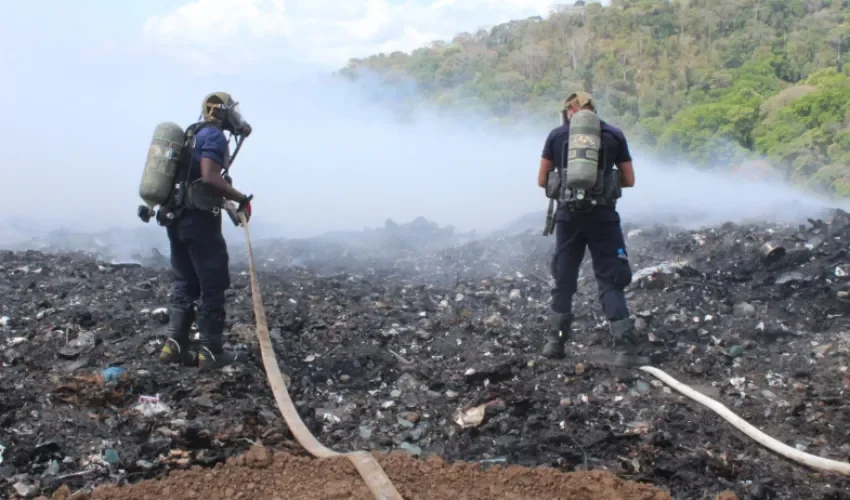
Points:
x=262, y=475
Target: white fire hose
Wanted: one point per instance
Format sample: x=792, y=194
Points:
x=813, y=461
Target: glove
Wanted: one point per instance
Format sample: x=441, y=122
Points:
x=245, y=207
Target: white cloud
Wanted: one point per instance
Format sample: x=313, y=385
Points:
x=325, y=32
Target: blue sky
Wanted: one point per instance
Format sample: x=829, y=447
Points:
x=331, y=31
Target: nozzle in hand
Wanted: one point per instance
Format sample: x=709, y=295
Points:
x=238, y=217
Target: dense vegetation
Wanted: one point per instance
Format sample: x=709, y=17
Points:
x=721, y=80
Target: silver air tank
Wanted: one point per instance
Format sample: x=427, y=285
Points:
x=585, y=142
x=158, y=177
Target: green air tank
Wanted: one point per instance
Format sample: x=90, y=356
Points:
x=162, y=163
x=585, y=142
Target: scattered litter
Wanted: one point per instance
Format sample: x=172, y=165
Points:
x=388, y=332
x=151, y=406
x=110, y=456
x=84, y=342
x=669, y=267
x=113, y=373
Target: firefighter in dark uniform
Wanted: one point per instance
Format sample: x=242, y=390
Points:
x=595, y=227
x=199, y=258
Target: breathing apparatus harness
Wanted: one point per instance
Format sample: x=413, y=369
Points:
x=600, y=195
x=196, y=195
x=604, y=193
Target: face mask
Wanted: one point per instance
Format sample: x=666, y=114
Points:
x=230, y=115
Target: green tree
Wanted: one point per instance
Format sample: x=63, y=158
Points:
x=714, y=80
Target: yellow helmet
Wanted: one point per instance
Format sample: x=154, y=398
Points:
x=582, y=99
x=221, y=108
x=213, y=100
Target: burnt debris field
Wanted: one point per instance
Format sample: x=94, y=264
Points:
x=433, y=350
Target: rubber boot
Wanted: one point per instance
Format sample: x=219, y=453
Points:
x=559, y=332
x=176, y=348
x=626, y=349
x=212, y=354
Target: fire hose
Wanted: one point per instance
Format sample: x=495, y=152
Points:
x=376, y=479
x=742, y=425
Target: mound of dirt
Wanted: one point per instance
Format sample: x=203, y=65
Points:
x=262, y=475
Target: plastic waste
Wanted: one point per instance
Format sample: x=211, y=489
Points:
x=113, y=373
x=150, y=406
x=668, y=267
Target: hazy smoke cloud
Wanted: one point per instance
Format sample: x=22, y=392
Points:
x=322, y=157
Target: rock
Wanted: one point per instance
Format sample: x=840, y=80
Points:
x=642, y=387
x=494, y=320
x=411, y=448
x=61, y=493
x=204, y=401
x=257, y=456
x=410, y=416
x=744, y=310
x=407, y=383
x=25, y=490
x=736, y=351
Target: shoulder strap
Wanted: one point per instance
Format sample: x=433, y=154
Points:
x=565, y=148
x=189, y=148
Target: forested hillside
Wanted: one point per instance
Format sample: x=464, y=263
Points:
x=719, y=80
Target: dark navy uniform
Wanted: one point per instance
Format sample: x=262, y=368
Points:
x=199, y=258
x=200, y=266
x=589, y=220
x=597, y=230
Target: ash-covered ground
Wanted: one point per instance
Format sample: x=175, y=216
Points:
x=386, y=335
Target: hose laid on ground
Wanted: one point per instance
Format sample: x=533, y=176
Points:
x=376, y=479
x=742, y=425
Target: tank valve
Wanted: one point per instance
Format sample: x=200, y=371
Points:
x=145, y=213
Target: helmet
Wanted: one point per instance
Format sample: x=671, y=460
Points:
x=581, y=99
x=220, y=107
x=211, y=101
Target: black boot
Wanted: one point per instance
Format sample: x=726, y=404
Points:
x=176, y=348
x=212, y=354
x=626, y=349
x=559, y=332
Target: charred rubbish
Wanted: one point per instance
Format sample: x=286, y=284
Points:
x=437, y=353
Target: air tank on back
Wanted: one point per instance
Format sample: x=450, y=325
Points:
x=160, y=167
x=585, y=141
